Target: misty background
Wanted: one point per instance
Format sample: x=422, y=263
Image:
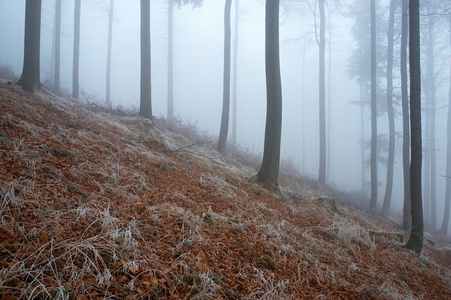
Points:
x=198, y=76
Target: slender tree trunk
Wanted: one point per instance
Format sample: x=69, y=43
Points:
x=431, y=84
x=362, y=139
x=445, y=223
x=32, y=44
x=391, y=115
x=170, y=116
x=235, y=76
x=322, y=95
x=427, y=157
x=108, y=64
x=304, y=50
x=226, y=81
x=76, y=60
x=56, y=82
x=373, y=200
x=269, y=171
x=145, y=107
x=329, y=96
x=407, y=219
x=52, y=54
x=415, y=242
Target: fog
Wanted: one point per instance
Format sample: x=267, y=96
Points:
x=198, y=76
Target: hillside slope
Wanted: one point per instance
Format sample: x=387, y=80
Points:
x=97, y=206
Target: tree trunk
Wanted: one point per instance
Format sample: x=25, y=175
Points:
x=76, y=60
x=235, y=76
x=56, y=82
x=362, y=139
x=108, y=61
x=406, y=220
x=303, y=53
x=32, y=44
x=415, y=242
x=373, y=200
x=329, y=96
x=390, y=113
x=226, y=81
x=269, y=171
x=170, y=115
x=431, y=85
x=145, y=107
x=445, y=223
x=322, y=95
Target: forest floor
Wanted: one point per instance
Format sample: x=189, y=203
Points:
x=96, y=205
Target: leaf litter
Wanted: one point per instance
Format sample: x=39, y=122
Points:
x=98, y=206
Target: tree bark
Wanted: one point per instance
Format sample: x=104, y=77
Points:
x=170, y=115
x=362, y=140
x=415, y=242
x=32, y=44
x=108, y=64
x=226, y=81
x=145, y=108
x=431, y=87
x=56, y=82
x=235, y=77
x=373, y=200
x=322, y=95
x=76, y=59
x=407, y=219
x=269, y=171
x=390, y=113
x=329, y=97
x=445, y=223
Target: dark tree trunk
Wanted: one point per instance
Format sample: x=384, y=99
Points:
x=235, y=76
x=76, y=60
x=226, y=81
x=431, y=94
x=170, y=116
x=269, y=171
x=390, y=113
x=56, y=82
x=108, y=60
x=373, y=200
x=145, y=107
x=445, y=223
x=322, y=95
x=415, y=242
x=31, y=65
x=407, y=218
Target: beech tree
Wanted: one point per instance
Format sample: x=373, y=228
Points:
x=415, y=242
x=445, y=223
x=407, y=219
x=269, y=170
x=145, y=106
x=76, y=58
x=108, y=60
x=373, y=200
x=226, y=81
x=31, y=65
x=235, y=75
x=390, y=111
x=57, y=63
x=322, y=95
